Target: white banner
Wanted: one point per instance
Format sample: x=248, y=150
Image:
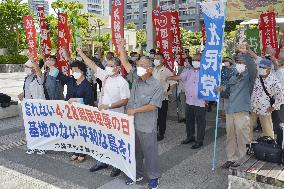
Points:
x=57, y=125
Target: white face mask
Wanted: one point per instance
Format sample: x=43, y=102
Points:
x=77, y=75
x=157, y=62
x=240, y=68
x=109, y=70
x=196, y=64
x=28, y=71
x=151, y=55
x=262, y=71
x=227, y=64
x=141, y=71
x=134, y=58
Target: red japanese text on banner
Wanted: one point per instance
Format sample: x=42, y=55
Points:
x=45, y=33
x=156, y=25
x=175, y=29
x=30, y=35
x=166, y=39
x=268, y=31
x=62, y=57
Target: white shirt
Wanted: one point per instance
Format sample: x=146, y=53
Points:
x=114, y=89
x=161, y=75
x=279, y=74
x=33, y=87
x=260, y=102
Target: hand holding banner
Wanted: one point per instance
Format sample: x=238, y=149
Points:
x=57, y=125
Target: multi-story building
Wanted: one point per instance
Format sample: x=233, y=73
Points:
x=189, y=12
x=35, y=3
x=99, y=7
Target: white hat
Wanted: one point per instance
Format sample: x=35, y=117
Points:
x=29, y=64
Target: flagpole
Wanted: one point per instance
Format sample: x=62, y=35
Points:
x=218, y=97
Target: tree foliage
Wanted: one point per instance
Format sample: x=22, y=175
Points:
x=12, y=33
x=131, y=25
x=141, y=37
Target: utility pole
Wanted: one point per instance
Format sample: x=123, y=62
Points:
x=150, y=29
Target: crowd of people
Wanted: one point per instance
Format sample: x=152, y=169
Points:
x=252, y=88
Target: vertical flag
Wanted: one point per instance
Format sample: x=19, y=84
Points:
x=252, y=37
x=62, y=57
x=30, y=35
x=166, y=38
x=177, y=47
x=214, y=19
x=268, y=31
x=156, y=25
x=45, y=33
x=203, y=32
x=117, y=22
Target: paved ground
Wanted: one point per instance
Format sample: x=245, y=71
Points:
x=182, y=167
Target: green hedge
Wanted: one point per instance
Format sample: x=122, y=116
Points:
x=13, y=59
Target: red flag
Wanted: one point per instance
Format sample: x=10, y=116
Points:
x=203, y=31
x=63, y=33
x=117, y=22
x=268, y=30
x=175, y=30
x=117, y=26
x=30, y=35
x=166, y=39
x=45, y=33
x=155, y=19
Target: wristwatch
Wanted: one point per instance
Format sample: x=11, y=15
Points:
x=109, y=106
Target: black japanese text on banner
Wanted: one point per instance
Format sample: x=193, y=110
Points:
x=57, y=125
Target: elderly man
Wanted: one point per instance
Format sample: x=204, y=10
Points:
x=239, y=90
x=267, y=96
x=114, y=96
x=161, y=73
x=195, y=110
x=145, y=99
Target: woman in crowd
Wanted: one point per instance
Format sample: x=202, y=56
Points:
x=79, y=90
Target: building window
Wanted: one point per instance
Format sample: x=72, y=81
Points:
x=192, y=11
x=144, y=15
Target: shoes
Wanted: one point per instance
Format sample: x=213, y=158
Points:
x=30, y=151
x=187, y=141
x=129, y=181
x=235, y=164
x=153, y=183
x=74, y=157
x=160, y=137
x=115, y=172
x=40, y=152
x=227, y=165
x=197, y=145
x=80, y=159
x=98, y=167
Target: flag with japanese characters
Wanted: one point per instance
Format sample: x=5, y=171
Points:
x=155, y=18
x=166, y=38
x=59, y=126
x=252, y=38
x=177, y=47
x=45, y=33
x=62, y=49
x=117, y=26
x=30, y=35
x=117, y=22
x=210, y=68
x=268, y=32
